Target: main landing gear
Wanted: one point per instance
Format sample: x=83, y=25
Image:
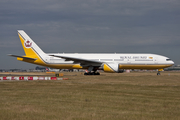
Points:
x=92, y=71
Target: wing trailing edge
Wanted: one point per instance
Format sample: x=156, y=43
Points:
x=78, y=60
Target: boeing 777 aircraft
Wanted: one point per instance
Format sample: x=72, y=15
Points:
x=114, y=63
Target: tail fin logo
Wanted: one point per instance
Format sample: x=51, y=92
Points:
x=28, y=44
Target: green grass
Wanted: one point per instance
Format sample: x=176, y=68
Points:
x=131, y=96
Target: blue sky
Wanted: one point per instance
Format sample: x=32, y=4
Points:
x=122, y=26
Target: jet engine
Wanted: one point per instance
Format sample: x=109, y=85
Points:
x=112, y=68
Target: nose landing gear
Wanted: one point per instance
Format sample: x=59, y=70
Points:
x=159, y=70
x=158, y=73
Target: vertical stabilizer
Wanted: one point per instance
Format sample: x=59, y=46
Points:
x=31, y=49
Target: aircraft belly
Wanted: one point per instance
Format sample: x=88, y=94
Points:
x=65, y=66
x=139, y=66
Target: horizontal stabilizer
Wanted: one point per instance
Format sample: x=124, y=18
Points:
x=22, y=57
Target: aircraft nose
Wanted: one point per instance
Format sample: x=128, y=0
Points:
x=170, y=61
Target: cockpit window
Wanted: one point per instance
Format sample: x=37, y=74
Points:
x=168, y=60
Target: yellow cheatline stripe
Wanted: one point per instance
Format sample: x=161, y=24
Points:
x=58, y=66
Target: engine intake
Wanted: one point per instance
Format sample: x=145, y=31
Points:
x=112, y=68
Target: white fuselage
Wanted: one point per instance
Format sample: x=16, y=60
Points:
x=124, y=61
x=114, y=58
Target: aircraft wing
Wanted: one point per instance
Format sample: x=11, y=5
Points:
x=82, y=61
x=22, y=57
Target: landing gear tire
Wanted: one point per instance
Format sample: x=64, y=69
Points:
x=97, y=73
x=158, y=73
x=86, y=73
x=92, y=73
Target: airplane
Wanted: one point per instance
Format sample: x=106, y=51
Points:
x=112, y=63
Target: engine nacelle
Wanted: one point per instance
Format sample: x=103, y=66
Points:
x=112, y=68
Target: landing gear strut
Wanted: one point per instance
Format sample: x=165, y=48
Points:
x=159, y=70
